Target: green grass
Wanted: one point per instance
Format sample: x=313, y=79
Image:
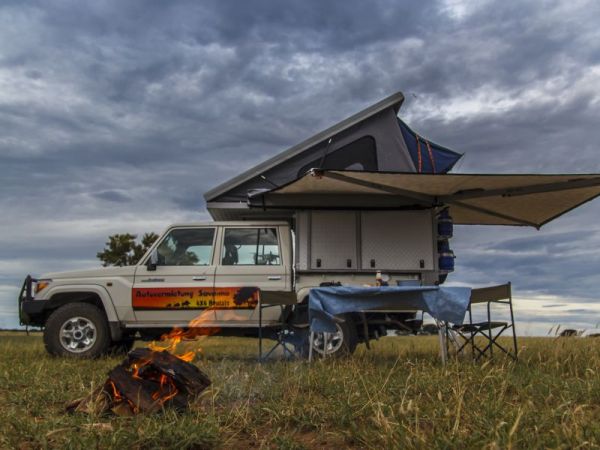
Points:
x=396, y=396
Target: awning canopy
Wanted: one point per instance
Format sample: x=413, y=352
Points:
x=474, y=199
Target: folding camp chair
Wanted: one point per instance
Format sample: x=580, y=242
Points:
x=280, y=332
x=489, y=330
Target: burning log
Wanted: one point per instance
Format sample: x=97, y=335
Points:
x=145, y=382
x=152, y=378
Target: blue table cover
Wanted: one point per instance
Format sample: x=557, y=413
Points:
x=443, y=303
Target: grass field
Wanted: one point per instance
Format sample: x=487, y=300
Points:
x=395, y=396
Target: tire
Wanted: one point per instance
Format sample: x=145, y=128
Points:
x=336, y=348
x=77, y=330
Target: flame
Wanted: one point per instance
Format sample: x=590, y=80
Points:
x=116, y=394
x=166, y=391
x=137, y=366
x=187, y=357
x=169, y=341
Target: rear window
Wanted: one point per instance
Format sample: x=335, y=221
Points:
x=250, y=246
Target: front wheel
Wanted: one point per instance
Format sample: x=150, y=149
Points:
x=78, y=330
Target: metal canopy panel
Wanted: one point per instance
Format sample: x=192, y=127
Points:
x=399, y=240
x=475, y=199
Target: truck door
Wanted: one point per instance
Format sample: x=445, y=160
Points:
x=250, y=257
x=181, y=287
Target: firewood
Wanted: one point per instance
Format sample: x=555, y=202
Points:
x=136, y=390
x=185, y=375
x=145, y=382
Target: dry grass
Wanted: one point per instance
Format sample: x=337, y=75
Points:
x=395, y=396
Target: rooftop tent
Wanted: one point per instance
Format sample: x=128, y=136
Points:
x=372, y=140
x=427, y=156
x=530, y=200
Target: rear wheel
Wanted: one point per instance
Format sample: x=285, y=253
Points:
x=341, y=343
x=78, y=330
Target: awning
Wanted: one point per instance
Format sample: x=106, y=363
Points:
x=474, y=199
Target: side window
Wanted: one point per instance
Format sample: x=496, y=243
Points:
x=187, y=247
x=250, y=246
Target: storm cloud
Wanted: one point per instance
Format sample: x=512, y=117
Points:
x=117, y=116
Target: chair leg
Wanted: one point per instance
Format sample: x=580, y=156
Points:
x=493, y=342
x=466, y=341
x=515, y=341
x=506, y=351
x=481, y=352
x=469, y=340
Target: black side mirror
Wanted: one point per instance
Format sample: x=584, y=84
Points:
x=152, y=261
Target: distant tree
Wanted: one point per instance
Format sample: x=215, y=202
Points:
x=123, y=250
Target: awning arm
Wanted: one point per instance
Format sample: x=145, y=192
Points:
x=577, y=183
x=424, y=198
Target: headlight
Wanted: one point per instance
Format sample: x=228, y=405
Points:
x=41, y=285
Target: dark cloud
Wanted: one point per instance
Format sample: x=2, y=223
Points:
x=117, y=116
x=112, y=196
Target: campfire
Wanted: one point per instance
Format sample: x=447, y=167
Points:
x=150, y=379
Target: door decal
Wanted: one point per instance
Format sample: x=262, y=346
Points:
x=195, y=298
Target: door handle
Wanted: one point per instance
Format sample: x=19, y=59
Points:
x=198, y=278
x=153, y=280
x=274, y=277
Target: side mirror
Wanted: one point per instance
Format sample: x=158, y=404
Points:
x=152, y=261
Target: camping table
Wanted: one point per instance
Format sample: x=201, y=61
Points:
x=444, y=304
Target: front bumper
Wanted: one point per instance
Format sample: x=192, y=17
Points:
x=31, y=312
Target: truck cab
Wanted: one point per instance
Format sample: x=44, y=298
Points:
x=205, y=274
x=214, y=270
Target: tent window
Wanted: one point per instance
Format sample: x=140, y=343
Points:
x=358, y=155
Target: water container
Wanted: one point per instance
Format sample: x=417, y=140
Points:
x=446, y=262
x=445, y=225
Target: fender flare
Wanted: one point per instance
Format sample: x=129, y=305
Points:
x=100, y=291
x=302, y=293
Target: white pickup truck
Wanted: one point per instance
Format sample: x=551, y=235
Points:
x=212, y=274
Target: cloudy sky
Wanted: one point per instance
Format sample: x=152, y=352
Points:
x=115, y=116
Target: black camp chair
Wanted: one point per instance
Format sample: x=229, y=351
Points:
x=489, y=330
x=283, y=335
